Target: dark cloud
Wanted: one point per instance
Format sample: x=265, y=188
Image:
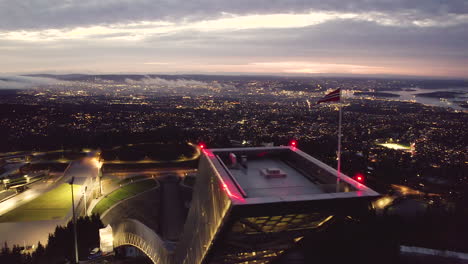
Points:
x=349, y=42
x=33, y=14
x=354, y=40
x=339, y=38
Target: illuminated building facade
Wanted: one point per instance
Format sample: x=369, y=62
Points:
x=252, y=205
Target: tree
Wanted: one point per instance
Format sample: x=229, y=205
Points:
x=5, y=253
x=38, y=255
x=60, y=244
x=5, y=249
x=16, y=255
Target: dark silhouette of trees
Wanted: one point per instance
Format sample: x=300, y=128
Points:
x=60, y=244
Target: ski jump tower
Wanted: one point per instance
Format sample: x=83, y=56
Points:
x=251, y=205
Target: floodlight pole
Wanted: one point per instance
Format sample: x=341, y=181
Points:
x=85, y=206
x=74, y=221
x=100, y=180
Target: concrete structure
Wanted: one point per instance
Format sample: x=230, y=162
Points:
x=255, y=208
x=134, y=233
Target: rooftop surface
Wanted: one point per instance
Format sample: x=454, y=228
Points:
x=257, y=185
x=272, y=174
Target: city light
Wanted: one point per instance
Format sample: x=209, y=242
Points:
x=383, y=202
x=201, y=145
x=395, y=146
x=97, y=163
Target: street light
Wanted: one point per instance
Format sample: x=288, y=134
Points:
x=74, y=221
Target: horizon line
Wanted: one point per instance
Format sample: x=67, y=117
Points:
x=310, y=75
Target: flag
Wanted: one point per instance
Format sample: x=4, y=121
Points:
x=331, y=97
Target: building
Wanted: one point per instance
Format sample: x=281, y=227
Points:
x=255, y=204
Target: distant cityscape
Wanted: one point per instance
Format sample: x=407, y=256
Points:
x=102, y=111
x=78, y=111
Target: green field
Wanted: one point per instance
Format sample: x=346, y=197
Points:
x=52, y=205
x=123, y=193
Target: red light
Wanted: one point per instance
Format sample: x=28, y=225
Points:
x=359, y=177
x=293, y=143
x=209, y=153
x=201, y=145
x=226, y=189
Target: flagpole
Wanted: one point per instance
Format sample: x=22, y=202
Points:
x=338, y=154
x=333, y=97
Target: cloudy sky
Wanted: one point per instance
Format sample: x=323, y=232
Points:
x=396, y=37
